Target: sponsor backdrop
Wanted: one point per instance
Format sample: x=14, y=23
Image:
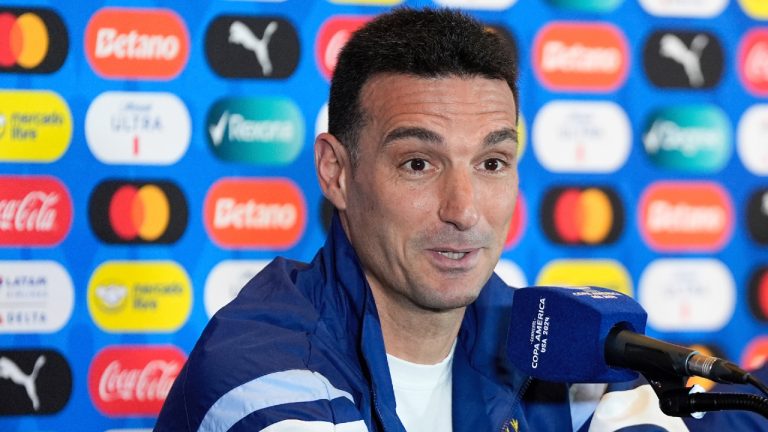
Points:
x=155, y=155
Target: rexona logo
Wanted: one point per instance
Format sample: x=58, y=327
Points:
x=32, y=40
x=252, y=47
x=683, y=59
x=136, y=43
x=684, y=8
x=757, y=216
x=691, y=138
x=331, y=38
x=141, y=296
x=255, y=213
x=582, y=215
x=33, y=382
x=138, y=128
x=575, y=56
x=35, y=297
x=131, y=381
x=757, y=293
x=753, y=61
x=256, y=130
x=755, y=354
x=35, y=126
x=477, y=4
x=685, y=216
x=600, y=6
x=687, y=294
x=226, y=280
x=753, y=128
x=34, y=211
x=582, y=137
x=138, y=212
x=757, y=9
x=593, y=272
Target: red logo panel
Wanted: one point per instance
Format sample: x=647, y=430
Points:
x=331, y=38
x=753, y=61
x=34, y=211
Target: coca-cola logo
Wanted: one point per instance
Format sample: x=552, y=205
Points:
x=753, y=61
x=34, y=211
x=133, y=380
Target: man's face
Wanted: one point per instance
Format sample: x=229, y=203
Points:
x=430, y=200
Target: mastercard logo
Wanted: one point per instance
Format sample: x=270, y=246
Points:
x=138, y=212
x=582, y=215
x=757, y=293
x=32, y=41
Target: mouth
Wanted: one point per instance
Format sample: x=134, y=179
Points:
x=453, y=255
x=455, y=259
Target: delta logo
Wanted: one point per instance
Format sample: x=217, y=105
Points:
x=753, y=61
x=132, y=43
x=757, y=293
x=604, y=273
x=571, y=56
x=244, y=213
x=133, y=381
x=137, y=212
x=752, y=130
x=139, y=296
x=685, y=216
x=34, y=382
x=34, y=211
x=35, y=297
x=32, y=40
x=35, y=126
x=582, y=215
x=331, y=38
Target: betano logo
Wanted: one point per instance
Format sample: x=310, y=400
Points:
x=255, y=213
x=687, y=294
x=684, y=8
x=690, y=138
x=331, y=38
x=136, y=43
x=138, y=212
x=755, y=355
x=256, y=130
x=32, y=41
x=582, y=136
x=141, y=296
x=582, y=215
x=753, y=61
x=604, y=273
x=757, y=9
x=226, y=280
x=753, y=128
x=757, y=293
x=685, y=216
x=35, y=126
x=573, y=56
x=34, y=211
x=35, y=297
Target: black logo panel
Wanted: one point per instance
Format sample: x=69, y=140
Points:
x=43, y=41
x=33, y=382
x=683, y=59
x=757, y=216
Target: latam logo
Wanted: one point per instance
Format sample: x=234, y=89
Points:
x=755, y=354
x=518, y=222
x=34, y=211
x=757, y=293
x=757, y=9
x=684, y=8
x=35, y=126
x=683, y=59
x=252, y=47
x=256, y=130
x=137, y=212
x=753, y=61
x=685, y=216
x=757, y=216
x=477, y=4
x=32, y=40
x=141, y=296
x=689, y=138
x=133, y=381
x=510, y=273
x=752, y=130
x=596, y=6
x=255, y=213
x=33, y=382
x=136, y=43
x=687, y=294
x=604, y=273
x=35, y=297
x=226, y=280
x=571, y=56
x=138, y=128
x=582, y=215
x=331, y=38
x=582, y=137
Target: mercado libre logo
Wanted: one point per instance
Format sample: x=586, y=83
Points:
x=131, y=381
x=38, y=382
x=255, y=213
x=571, y=56
x=32, y=41
x=267, y=131
x=35, y=126
x=753, y=61
x=331, y=38
x=757, y=293
x=34, y=211
x=136, y=43
x=685, y=216
x=586, y=272
x=131, y=212
x=139, y=296
x=582, y=215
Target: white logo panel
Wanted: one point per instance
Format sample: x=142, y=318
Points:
x=752, y=138
x=684, y=8
x=226, y=280
x=35, y=297
x=511, y=273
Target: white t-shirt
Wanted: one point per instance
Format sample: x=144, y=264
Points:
x=423, y=393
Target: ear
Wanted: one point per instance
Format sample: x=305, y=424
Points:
x=332, y=166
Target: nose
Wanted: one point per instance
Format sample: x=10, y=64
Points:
x=458, y=206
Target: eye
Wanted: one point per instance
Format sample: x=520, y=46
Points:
x=416, y=164
x=493, y=164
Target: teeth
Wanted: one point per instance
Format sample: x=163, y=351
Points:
x=453, y=255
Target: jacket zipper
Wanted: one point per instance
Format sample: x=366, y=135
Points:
x=517, y=399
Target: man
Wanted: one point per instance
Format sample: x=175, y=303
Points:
x=399, y=322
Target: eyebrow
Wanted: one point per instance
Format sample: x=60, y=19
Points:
x=429, y=136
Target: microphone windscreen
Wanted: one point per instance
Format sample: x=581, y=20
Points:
x=558, y=334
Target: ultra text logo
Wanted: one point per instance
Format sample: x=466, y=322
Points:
x=331, y=38
x=35, y=126
x=34, y=211
x=753, y=61
x=593, y=272
x=683, y=59
x=32, y=40
x=582, y=215
x=35, y=296
x=34, y=382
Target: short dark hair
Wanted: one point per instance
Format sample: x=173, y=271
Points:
x=424, y=43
